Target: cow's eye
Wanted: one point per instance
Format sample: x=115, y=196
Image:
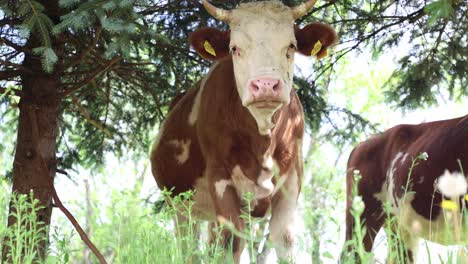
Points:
x=292, y=46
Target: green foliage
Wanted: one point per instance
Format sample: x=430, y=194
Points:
x=439, y=9
x=40, y=25
x=22, y=244
x=428, y=40
x=124, y=227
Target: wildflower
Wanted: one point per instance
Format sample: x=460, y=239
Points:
x=356, y=175
x=466, y=197
x=423, y=156
x=449, y=205
x=452, y=185
x=358, y=204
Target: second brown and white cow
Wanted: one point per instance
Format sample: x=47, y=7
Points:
x=240, y=129
x=386, y=163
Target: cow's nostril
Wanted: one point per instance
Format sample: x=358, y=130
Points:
x=276, y=87
x=255, y=87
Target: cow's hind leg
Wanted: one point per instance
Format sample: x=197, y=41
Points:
x=402, y=245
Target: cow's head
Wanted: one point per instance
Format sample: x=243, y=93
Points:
x=262, y=40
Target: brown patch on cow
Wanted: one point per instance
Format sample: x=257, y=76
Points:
x=310, y=34
x=261, y=207
x=218, y=40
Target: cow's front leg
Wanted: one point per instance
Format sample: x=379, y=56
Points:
x=284, y=205
x=227, y=209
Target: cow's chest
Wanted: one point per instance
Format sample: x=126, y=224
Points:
x=252, y=193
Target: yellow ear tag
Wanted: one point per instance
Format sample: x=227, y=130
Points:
x=209, y=48
x=316, y=49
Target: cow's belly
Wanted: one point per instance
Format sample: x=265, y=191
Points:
x=439, y=230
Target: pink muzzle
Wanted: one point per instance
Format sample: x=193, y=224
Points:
x=265, y=91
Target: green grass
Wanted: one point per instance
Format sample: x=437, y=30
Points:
x=128, y=229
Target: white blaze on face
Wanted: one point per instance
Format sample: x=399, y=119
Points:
x=262, y=34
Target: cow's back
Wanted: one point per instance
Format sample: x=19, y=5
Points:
x=176, y=160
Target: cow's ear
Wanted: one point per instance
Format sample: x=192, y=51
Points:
x=210, y=43
x=315, y=38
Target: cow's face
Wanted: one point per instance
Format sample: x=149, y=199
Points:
x=262, y=41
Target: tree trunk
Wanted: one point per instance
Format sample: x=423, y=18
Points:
x=34, y=165
x=36, y=143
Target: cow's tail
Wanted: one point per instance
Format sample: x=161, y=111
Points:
x=347, y=248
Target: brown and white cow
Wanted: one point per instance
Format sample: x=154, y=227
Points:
x=384, y=163
x=242, y=122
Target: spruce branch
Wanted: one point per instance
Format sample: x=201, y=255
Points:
x=91, y=77
x=41, y=21
x=85, y=52
x=88, y=117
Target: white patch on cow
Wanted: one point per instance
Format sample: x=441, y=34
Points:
x=265, y=181
x=243, y=184
x=268, y=162
x=197, y=101
x=404, y=158
x=220, y=187
x=184, y=149
x=386, y=194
